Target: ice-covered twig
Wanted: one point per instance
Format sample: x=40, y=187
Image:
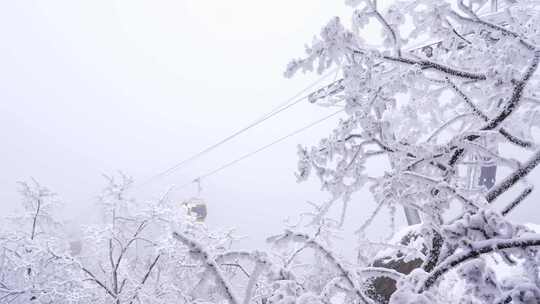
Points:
x=523, y=195
x=477, y=249
x=519, y=87
x=371, y=218
x=99, y=282
x=210, y=264
x=514, y=177
x=434, y=253
x=372, y=272
x=426, y=64
x=349, y=276
x=496, y=27
x=446, y=124
x=442, y=184
x=261, y=263
x=326, y=291
x=509, y=107
x=252, y=282
x=513, y=139
x=396, y=40
x=145, y=278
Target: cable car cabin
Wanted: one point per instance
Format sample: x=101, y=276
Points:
x=196, y=208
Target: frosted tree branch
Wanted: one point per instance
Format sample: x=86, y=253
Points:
x=477, y=249
x=210, y=264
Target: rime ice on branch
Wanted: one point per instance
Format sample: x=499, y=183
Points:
x=450, y=83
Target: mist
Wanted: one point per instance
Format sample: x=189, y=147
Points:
x=95, y=87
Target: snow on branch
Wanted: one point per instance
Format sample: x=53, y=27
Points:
x=477, y=249
x=348, y=275
x=514, y=177
x=513, y=139
x=427, y=64
x=522, y=196
x=371, y=272
x=198, y=251
x=477, y=20
x=516, y=94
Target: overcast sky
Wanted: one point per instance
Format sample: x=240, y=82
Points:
x=92, y=87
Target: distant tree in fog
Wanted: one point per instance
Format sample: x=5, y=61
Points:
x=133, y=258
x=33, y=263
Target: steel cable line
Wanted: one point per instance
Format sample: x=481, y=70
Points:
x=243, y=157
x=287, y=104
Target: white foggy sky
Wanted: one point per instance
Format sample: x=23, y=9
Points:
x=91, y=87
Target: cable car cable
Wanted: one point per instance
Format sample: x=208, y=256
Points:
x=223, y=167
x=290, y=102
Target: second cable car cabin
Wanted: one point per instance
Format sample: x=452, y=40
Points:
x=196, y=208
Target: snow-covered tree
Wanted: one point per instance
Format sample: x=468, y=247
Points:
x=133, y=258
x=447, y=87
x=434, y=113
x=34, y=267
